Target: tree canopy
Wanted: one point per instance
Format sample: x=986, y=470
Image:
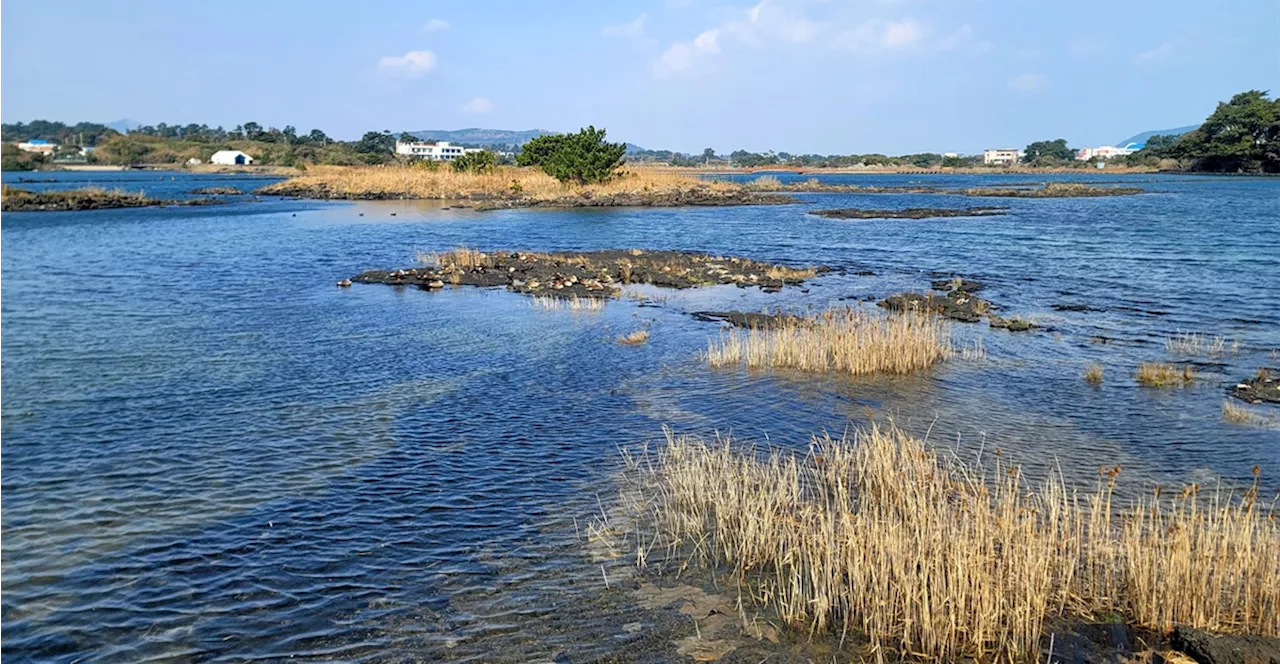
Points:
x=584, y=157
x=1041, y=152
x=1242, y=134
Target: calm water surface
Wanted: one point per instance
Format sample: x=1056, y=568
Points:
x=210, y=453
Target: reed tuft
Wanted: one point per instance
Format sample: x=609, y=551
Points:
x=838, y=340
x=937, y=560
x=1163, y=374
x=635, y=338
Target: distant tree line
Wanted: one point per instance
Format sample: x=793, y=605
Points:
x=176, y=144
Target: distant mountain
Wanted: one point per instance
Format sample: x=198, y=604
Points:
x=124, y=125
x=479, y=136
x=1141, y=139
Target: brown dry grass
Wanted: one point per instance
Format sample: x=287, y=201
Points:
x=1245, y=416
x=839, y=340
x=1093, y=374
x=933, y=559
x=1163, y=374
x=502, y=182
x=635, y=338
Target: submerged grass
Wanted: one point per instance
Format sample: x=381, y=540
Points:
x=933, y=559
x=1195, y=343
x=838, y=340
x=1245, y=416
x=1163, y=374
x=575, y=303
x=634, y=338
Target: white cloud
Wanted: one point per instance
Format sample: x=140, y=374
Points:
x=1155, y=56
x=878, y=35
x=629, y=30
x=413, y=64
x=1028, y=83
x=787, y=25
x=478, y=105
x=707, y=42
x=436, y=25
x=680, y=56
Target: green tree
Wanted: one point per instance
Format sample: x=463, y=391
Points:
x=539, y=149
x=13, y=159
x=1048, y=151
x=583, y=157
x=1240, y=135
x=475, y=162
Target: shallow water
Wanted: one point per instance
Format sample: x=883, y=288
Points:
x=212, y=454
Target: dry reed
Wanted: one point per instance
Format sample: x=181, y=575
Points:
x=1093, y=373
x=838, y=340
x=1243, y=415
x=635, y=338
x=1162, y=374
x=936, y=560
x=1194, y=343
x=575, y=303
x=502, y=182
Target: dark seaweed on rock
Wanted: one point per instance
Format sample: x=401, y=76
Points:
x=21, y=200
x=1212, y=648
x=1265, y=386
x=956, y=305
x=957, y=283
x=1053, y=190
x=748, y=319
x=589, y=274
x=910, y=213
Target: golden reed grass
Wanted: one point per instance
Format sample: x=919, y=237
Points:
x=1163, y=374
x=933, y=559
x=838, y=340
x=1093, y=373
x=635, y=338
x=504, y=181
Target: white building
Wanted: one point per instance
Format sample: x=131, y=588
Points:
x=433, y=150
x=38, y=145
x=230, y=158
x=1001, y=156
x=1103, y=152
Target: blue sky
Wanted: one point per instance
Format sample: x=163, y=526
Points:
x=837, y=76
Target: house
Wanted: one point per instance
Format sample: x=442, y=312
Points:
x=38, y=145
x=1001, y=156
x=230, y=158
x=194, y=161
x=1104, y=152
x=433, y=150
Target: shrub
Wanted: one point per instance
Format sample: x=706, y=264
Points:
x=475, y=162
x=584, y=157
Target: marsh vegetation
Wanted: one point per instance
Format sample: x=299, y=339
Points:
x=931, y=558
x=847, y=341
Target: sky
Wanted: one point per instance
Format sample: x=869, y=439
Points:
x=802, y=76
